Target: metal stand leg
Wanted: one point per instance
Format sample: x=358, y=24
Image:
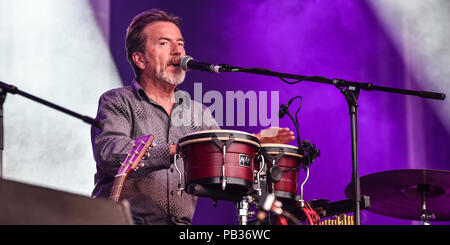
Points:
x=351, y=94
x=273, y=182
x=243, y=210
x=426, y=216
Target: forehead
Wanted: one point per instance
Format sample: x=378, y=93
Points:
x=159, y=29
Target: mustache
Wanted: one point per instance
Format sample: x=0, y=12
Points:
x=174, y=61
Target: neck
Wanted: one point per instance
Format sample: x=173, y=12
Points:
x=159, y=91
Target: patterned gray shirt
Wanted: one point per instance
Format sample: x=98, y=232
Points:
x=126, y=114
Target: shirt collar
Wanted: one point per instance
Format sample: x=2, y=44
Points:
x=140, y=91
x=142, y=95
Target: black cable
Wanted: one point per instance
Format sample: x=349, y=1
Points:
x=308, y=78
x=286, y=81
x=296, y=115
x=303, y=79
x=295, y=121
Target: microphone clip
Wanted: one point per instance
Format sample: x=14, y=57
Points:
x=309, y=152
x=283, y=110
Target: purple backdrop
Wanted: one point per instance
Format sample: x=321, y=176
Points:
x=342, y=39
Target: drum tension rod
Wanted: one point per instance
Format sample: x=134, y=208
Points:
x=223, y=179
x=223, y=147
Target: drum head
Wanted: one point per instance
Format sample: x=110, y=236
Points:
x=274, y=149
x=207, y=135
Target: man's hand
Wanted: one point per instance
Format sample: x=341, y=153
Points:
x=275, y=135
x=172, y=150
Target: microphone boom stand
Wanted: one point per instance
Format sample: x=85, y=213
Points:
x=5, y=88
x=350, y=90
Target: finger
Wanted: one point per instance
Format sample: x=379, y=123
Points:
x=286, y=139
x=286, y=133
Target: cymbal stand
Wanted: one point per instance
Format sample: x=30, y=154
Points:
x=426, y=216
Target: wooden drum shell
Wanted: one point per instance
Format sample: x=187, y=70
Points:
x=203, y=161
x=287, y=187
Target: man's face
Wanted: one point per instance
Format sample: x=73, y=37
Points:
x=164, y=48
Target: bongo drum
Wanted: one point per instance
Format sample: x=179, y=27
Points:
x=282, y=165
x=220, y=160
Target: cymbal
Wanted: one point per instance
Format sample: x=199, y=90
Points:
x=396, y=193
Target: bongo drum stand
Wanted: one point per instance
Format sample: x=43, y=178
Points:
x=243, y=209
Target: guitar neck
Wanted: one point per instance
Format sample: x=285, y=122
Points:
x=131, y=162
x=117, y=188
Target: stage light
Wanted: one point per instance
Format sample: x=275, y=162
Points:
x=54, y=50
x=421, y=31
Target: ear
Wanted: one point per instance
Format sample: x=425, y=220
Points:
x=139, y=60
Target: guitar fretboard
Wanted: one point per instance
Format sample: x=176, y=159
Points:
x=117, y=187
x=131, y=162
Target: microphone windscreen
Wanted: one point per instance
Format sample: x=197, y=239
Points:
x=184, y=62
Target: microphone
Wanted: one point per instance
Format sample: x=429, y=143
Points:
x=188, y=63
x=284, y=108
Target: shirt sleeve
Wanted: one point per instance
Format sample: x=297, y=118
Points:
x=113, y=142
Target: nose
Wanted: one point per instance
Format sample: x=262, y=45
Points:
x=178, y=50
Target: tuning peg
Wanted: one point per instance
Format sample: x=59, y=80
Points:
x=145, y=156
x=141, y=165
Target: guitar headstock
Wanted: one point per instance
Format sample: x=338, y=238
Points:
x=136, y=154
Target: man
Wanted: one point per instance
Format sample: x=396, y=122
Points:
x=154, y=47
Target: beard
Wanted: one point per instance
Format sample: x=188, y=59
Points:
x=174, y=79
